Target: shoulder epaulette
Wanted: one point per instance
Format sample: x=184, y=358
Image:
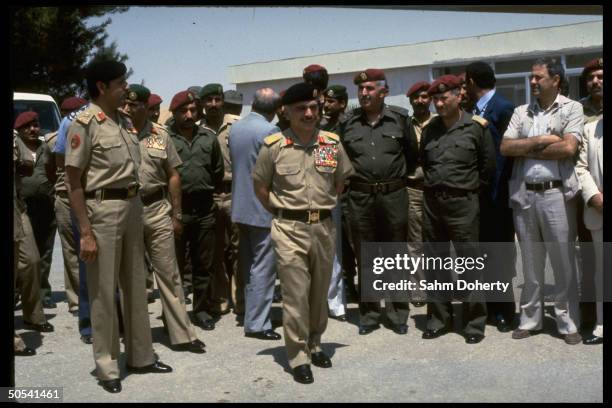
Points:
x=480, y=120
x=332, y=136
x=270, y=140
x=100, y=117
x=85, y=117
x=50, y=136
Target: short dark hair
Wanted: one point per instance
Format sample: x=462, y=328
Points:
x=102, y=71
x=554, y=67
x=481, y=73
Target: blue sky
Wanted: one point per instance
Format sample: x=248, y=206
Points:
x=172, y=48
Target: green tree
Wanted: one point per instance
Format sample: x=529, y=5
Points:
x=51, y=45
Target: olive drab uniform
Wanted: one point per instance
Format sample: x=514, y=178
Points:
x=302, y=183
x=64, y=229
x=108, y=154
x=227, y=282
x=377, y=195
x=457, y=164
x=158, y=154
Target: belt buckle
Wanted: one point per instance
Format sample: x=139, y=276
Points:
x=378, y=187
x=132, y=191
x=313, y=216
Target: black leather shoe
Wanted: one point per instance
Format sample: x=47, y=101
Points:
x=320, y=359
x=340, y=318
x=502, y=324
x=26, y=352
x=48, y=303
x=150, y=297
x=156, y=367
x=474, y=338
x=400, y=328
x=87, y=339
x=432, y=334
x=593, y=340
x=302, y=374
x=264, y=335
x=206, y=324
x=367, y=329
x=112, y=386
x=195, y=346
x=45, y=327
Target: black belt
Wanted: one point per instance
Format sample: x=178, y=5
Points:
x=307, y=216
x=114, y=193
x=155, y=196
x=415, y=184
x=62, y=194
x=449, y=192
x=227, y=187
x=383, y=187
x=547, y=185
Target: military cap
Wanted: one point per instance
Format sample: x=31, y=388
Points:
x=232, y=97
x=73, y=103
x=138, y=93
x=211, y=89
x=370, y=74
x=181, y=99
x=592, y=65
x=299, y=93
x=24, y=118
x=195, y=90
x=154, y=99
x=104, y=71
x=313, y=68
x=418, y=87
x=336, y=92
x=443, y=84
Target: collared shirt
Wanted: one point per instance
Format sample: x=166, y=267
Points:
x=379, y=152
x=59, y=146
x=538, y=170
x=302, y=177
x=482, y=103
x=157, y=153
x=202, y=169
x=417, y=127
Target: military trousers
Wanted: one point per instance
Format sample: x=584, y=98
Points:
x=453, y=219
x=18, y=343
x=69, y=251
x=119, y=262
x=159, y=244
x=378, y=217
x=304, y=254
x=226, y=280
x=42, y=216
x=28, y=276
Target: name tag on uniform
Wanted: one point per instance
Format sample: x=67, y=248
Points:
x=326, y=156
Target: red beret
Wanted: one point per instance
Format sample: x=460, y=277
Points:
x=180, y=99
x=314, y=68
x=282, y=93
x=592, y=65
x=370, y=74
x=154, y=99
x=419, y=86
x=443, y=84
x=24, y=118
x=73, y=103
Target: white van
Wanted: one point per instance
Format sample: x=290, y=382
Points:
x=48, y=112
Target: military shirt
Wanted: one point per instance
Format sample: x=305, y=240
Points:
x=106, y=151
x=333, y=127
x=19, y=155
x=461, y=157
x=37, y=184
x=379, y=152
x=202, y=168
x=157, y=153
x=415, y=130
x=302, y=177
x=50, y=141
x=223, y=138
x=591, y=112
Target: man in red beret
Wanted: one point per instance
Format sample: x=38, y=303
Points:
x=71, y=104
x=201, y=174
x=154, y=103
x=592, y=77
x=458, y=159
x=375, y=137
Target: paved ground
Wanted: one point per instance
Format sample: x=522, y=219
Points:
x=380, y=367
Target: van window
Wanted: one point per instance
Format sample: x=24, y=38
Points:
x=48, y=116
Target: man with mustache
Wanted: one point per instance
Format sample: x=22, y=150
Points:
x=201, y=174
x=211, y=98
x=154, y=103
x=592, y=76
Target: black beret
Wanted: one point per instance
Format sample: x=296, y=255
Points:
x=211, y=89
x=300, y=92
x=104, y=71
x=138, y=93
x=336, y=92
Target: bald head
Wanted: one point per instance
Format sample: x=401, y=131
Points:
x=265, y=101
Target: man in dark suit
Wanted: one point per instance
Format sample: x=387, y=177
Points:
x=496, y=223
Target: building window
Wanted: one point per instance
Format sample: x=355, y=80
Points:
x=512, y=89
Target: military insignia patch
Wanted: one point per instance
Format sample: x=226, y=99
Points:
x=100, y=116
x=363, y=76
x=601, y=62
x=315, y=93
x=326, y=156
x=330, y=93
x=132, y=96
x=155, y=142
x=190, y=97
x=75, y=141
x=441, y=88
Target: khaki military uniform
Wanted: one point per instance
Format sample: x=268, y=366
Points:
x=303, y=178
x=108, y=154
x=158, y=154
x=64, y=228
x=226, y=281
x=28, y=258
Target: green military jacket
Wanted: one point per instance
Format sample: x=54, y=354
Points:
x=37, y=184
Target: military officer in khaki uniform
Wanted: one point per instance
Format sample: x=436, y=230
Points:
x=28, y=259
x=102, y=159
x=298, y=176
x=211, y=98
x=158, y=177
